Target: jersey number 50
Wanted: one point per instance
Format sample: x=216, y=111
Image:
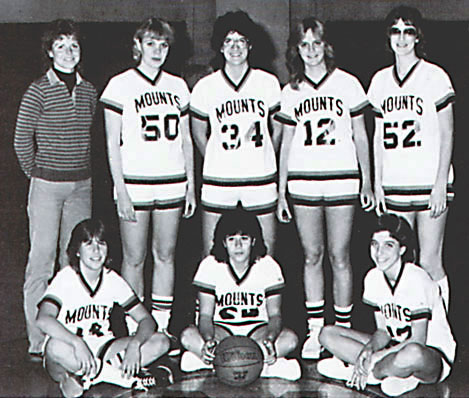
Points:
x=151, y=131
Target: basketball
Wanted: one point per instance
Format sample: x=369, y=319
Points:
x=238, y=361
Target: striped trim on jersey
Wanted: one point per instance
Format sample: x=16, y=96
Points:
x=323, y=175
x=413, y=190
x=155, y=180
x=359, y=109
x=302, y=200
x=444, y=102
x=240, y=182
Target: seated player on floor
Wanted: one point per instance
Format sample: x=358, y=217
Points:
x=413, y=342
x=81, y=350
x=239, y=293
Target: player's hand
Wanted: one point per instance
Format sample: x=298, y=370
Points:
x=208, y=351
x=85, y=358
x=132, y=359
x=367, y=199
x=190, y=203
x=357, y=380
x=380, y=202
x=437, y=203
x=283, y=212
x=125, y=208
x=270, y=355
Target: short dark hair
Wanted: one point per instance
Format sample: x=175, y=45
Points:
x=56, y=29
x=410, y=16
x=84, y=232
x=238, y=221
x=157, y=26
x=399, y=229
x=295, y=64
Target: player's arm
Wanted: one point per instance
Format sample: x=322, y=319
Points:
x=274, y=327
x=199, y=130
x=360, y=139
x=188, y=151
x=47, y=322
x=378, y=165
x=283, y=212
x=113, y=125
x=206, y=327
x=437, y=201
x=277, y=129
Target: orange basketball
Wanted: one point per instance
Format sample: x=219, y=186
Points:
x=238, y=361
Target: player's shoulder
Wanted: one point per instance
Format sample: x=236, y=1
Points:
x=209, y=79
x=209, y=262
x=382, y=73
x=415, y=273
x=432, y=68
x=124, y=76
x=172, y=78
x=344, y=76
x=264, y=75
x=65, y=273
x=373, y=275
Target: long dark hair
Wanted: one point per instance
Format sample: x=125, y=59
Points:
x=295, y=64
x=233, y=222
x=399, y=229
x=84, y=232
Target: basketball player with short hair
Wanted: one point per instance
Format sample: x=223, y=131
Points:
x=413, y=342
x=413, y=102
x=236, y=104
x=75, y=316
x=151, y=160
x=324, y=160
x=239, y=293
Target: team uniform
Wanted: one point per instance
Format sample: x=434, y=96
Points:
x=239, y=163
x=403, y=303
x=84, y=311
x=240, y=301
x=407, y=110
x=151, y=143
x=322, y=164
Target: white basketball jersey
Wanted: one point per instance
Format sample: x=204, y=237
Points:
x=239, y=150
x=414, y=296
x=409, y=111
x=240, y=300
x=151, y=143
x=322, y=146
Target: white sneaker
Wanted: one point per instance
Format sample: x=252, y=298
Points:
x=112, y=375
x=288, y=369
x=190, y=362
x=334, y=368
x=311, y=347
x=396, y=386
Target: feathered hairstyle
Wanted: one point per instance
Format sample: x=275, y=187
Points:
x=410, y=16
x=84, y=232
x=399, y=229
x=56, y=29
x=233, y=222
x=158, y=27
x=295, y=64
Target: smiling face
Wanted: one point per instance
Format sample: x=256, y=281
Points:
x=154, y=51
x=235, y=49
x=386, y=251
x=65, y=53
x=311, y=49
x=403, y=38
x=92, y=254
x=238, y=247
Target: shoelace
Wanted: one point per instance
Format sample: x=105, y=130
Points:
x=144, y=383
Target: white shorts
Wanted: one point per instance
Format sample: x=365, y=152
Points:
x=240, y=330
x=411, y=198
x=156, y=196
x=445, y=371
x=261, y=198
x=324, y=192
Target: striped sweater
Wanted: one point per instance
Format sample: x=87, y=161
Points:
x=52, y=135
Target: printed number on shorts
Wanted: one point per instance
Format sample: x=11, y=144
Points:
x=408, y=129
x=232, y=139
x=403, y=333
x=151, y=131
x=323, y=132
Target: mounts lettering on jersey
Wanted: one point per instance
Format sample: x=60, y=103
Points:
x=393, y=311
x=401, y=103
x=156, y=98
x=237, y=106
x=240, y=298
x=92, y=311
x=318, y=104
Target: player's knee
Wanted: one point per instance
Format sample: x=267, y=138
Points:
x=326, y=335
x=56, y=350
x=314, y=256
x=133, y=259
x=410, y=354
x=339, y=259
x=187, y=336
x=291, y=340
x=164, y=257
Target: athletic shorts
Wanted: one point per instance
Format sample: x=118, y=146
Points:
x=399, y=200
x=156, y=196
x=240, y=330
x=324, y=192
x=260, y=199
x=445, y=371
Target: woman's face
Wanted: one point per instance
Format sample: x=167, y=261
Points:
x=92, y=254
x=154, y=50
x=403, y=38
x=235, y=49
x=65, y=53
x=385, y=251
x=238, y=247
x=311, y=49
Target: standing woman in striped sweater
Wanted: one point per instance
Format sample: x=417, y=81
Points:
x=52, y=143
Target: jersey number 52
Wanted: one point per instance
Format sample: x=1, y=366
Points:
x=408, y=128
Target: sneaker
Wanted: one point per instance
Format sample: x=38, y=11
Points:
x=112, y=375
x=71, y=387
x=163, y=374
x=311, y=347
x=288, y=369
x=190, y=362
x=174, y=344
x=334, y=368
x=144, y=381
x=396, y=386
x=35, y=357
